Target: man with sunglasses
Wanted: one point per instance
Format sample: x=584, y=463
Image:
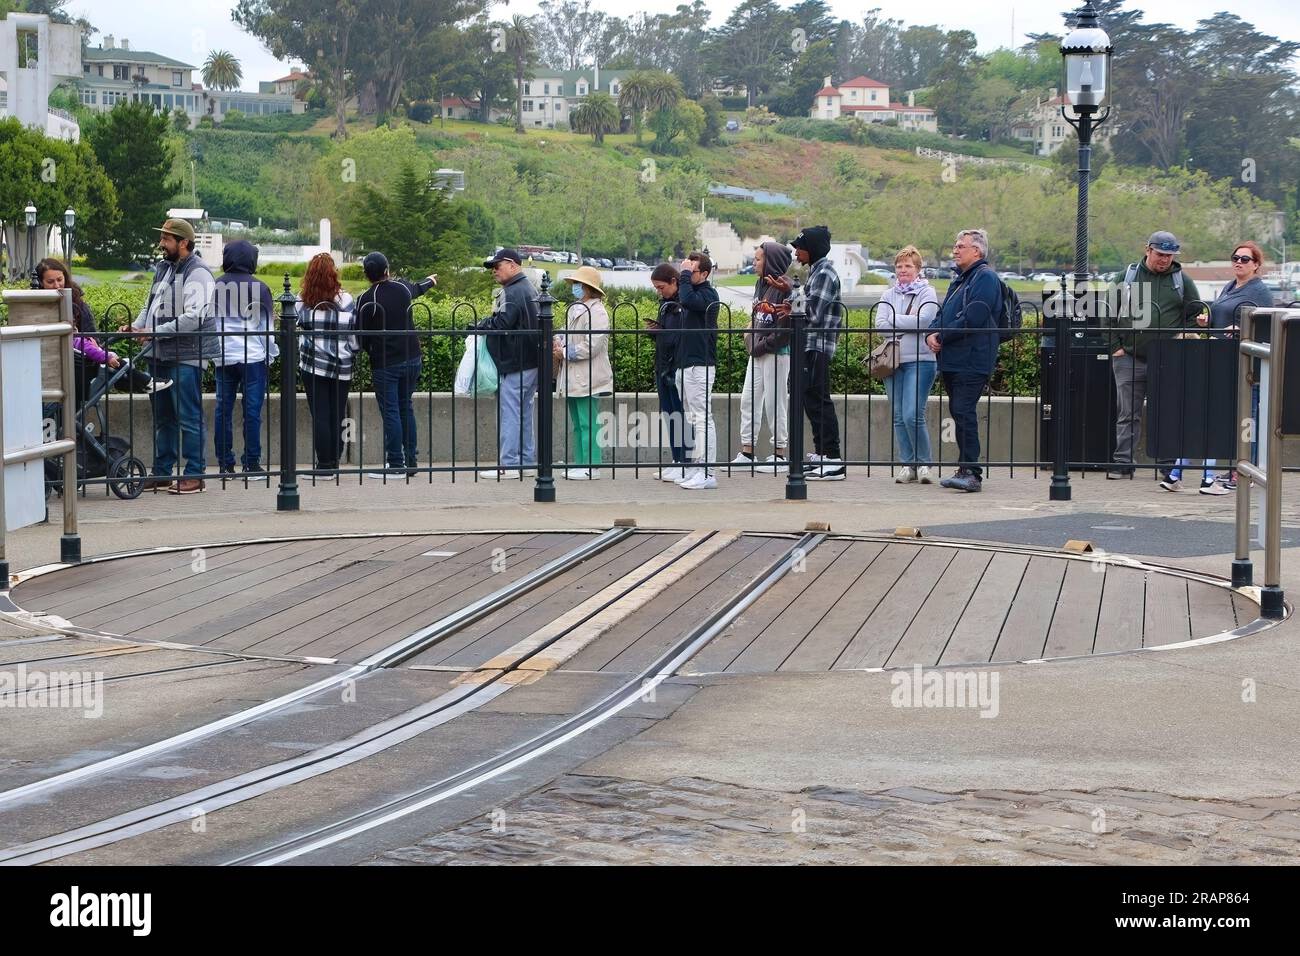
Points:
x=1169, y=300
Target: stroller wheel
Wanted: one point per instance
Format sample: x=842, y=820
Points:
x=126, y=477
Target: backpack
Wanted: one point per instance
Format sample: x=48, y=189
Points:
x=1009, y=318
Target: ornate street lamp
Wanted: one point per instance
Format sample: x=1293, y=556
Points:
x=69, y=230
x=1085, y=56
x=29, y=215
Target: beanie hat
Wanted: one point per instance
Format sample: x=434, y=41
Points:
x=815, y=240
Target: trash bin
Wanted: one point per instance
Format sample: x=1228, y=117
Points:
x=1092, y=405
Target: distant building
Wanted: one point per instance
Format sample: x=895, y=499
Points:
x=113, y=73
x=552, y=95
x=37, y=55
x=868, y=100
x=1045, y=127
x=458, y=107
x=285, y=85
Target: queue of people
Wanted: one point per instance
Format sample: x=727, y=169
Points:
x=193, y=319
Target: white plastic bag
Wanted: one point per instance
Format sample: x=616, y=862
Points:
x=476, y=360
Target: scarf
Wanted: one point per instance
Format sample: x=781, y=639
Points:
x=912, y=288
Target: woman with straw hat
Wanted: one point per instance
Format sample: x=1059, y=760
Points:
x=585, y=373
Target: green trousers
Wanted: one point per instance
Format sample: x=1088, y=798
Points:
x=582, y=416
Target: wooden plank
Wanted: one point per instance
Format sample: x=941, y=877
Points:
x=690, y=614
x=1024, y=635
x=353, y=581
x=135, y=578
x=1074, y=625
x=1211, y=609
x=769, y=630
x=878, y=566
x=1167, y=620
x=1123, y=603
x=980, y=624
x=520, y=618
x=211, y=594
x=354, y=630
x=619, y=650
x=930, y=631
x=211, y=619
x=108, y=573
x=881, y=632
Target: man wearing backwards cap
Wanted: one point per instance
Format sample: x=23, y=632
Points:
x=825, y=318
x=1170, y=299
x=517, y=355
x=181, y=315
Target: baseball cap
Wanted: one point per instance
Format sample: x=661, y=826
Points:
x=178, y=228
x=375, y=264
x=501, y=256
x=1163, y=242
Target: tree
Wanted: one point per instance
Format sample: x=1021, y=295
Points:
x=597, y=114
x=288, y=177
x=714, y=120
x=634, y=98
x=953, y=96
x=686, y=119
x=568, y=33
x=414, y=224
x=325, y=34
x=806, y=78
x=52, y=175
x=520, y=48
x=131, y=144
x=754, y=46
x=221, y=71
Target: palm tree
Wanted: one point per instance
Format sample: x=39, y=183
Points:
x=598, y=114
x=633, y=97
x=665, y=92
x=221, y=71
x=519, y=46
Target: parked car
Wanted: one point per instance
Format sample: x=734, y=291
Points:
x=607, y=263
x=930, y=272
x=623, y=265
x=746, y=270
x=883, y=273
x=1011, y=277
x=591, y=261
x=1044, y=277
x=733, y=126
x=639, y=265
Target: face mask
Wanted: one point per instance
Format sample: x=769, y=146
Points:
x=576, y=289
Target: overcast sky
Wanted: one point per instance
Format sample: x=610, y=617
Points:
x=188, y=31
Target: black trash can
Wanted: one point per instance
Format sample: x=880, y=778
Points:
x=1092, y=404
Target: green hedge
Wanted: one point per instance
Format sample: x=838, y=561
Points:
x=890, y=137
x=631, y=354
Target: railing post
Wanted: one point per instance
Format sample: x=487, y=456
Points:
x=1242, y=568
x=796, y=489
x=70, y=542
x=544, y=490
x=287, y=499
x=1271, y=604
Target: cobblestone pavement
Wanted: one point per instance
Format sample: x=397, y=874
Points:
x=600, y=820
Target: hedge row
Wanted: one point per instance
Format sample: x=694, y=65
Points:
x=631, y=349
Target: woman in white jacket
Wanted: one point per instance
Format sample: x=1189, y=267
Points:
x=583, y=372
x=906, y=309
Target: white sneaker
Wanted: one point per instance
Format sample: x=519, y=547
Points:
x=923, y=475
x=773, y=465
x=593, y=474
x=500, y=474
x=671, y=474
x=701, y=482
x=905, y=476
x=743, y=459
x=1213, y=488
x=827, y=469
x=690, y=474
x=577, y=474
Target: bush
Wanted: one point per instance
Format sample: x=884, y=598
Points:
x=273, y=122
x=421, y=112
x=733, y=102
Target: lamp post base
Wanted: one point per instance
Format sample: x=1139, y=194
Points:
x=1060, y=490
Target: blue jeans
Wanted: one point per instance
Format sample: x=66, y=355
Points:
x=908, y=388
x=517, y=438
x=178, y=419
x=964, y=392
x=393, y=387
x=673, y=415
x=250, y=379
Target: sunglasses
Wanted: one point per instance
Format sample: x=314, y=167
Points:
x=1243, y=258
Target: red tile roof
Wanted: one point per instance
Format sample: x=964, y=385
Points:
x=828, y=91
x=293, y=77
x=865, y=81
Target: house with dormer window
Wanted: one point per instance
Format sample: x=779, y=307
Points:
x=868, y=100
x=551, y=95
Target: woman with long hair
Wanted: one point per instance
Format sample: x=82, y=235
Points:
x=54, y=274
x=326, y=349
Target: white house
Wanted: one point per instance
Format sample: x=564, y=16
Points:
x=868, y=100
x=552, y=95
x=1045, y=127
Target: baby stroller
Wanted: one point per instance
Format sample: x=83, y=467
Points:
x=101, y=457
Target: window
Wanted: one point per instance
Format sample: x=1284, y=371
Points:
x=100, y=68
x=613, y=88
x=29, y=49
x=559, y=89
x=559, y=105
x=167, y=100
x=528, y=89
x=87, y=69
x=177, y=77
x=582, y=89
x=121, y=72
x=828, y=101
x=873, y=96
x=546, y=89
x=528, y=106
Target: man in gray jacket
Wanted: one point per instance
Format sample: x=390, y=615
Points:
x=181, y=316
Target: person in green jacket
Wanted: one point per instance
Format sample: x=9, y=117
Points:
x=1157, y=295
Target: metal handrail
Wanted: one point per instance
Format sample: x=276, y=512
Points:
x=62, y=331
x=1271, y=356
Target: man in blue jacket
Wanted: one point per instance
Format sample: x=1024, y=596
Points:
x=696, y=361
x=966, y=341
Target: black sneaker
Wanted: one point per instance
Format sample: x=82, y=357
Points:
x=828, y=469
x=254, y=472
